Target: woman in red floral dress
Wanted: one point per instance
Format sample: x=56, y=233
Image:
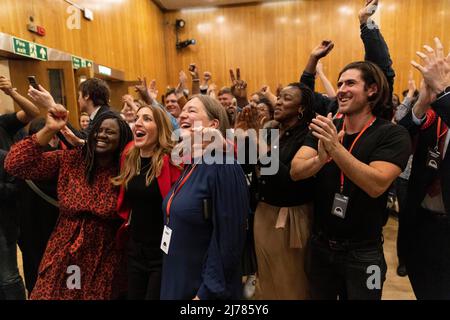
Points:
x=81, y=260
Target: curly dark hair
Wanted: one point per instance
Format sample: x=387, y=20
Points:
x=89, y=148
x=97, y=90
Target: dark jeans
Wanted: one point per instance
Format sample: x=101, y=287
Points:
x=11, y=284
x=144, y=271
x=401, y=186
x=428, y=260
x=345, y=272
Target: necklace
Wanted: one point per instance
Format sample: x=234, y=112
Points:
x=138, y=166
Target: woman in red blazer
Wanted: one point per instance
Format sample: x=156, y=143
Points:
x=146, y=176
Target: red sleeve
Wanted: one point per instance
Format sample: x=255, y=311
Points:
x=27, y=161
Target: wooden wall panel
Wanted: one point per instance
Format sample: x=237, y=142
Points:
x=126, y=35
x=271, y=42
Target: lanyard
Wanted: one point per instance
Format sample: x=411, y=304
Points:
x=175, y=191
x=439, y=135
x=368, y=124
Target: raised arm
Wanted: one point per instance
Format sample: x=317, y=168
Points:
x=406, y=105
x=29, y=110
x=329, y=89
x=193, y=70
x=436, y=74
x=376, y=49
x=238, y=88
x=321, y=103
x=26, y=159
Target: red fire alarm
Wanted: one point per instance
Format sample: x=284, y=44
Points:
x=40, y=31
x=36, y=29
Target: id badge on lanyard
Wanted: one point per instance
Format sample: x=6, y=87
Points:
x=165, y=241
x=340, y=202
x=167, y=232
x=434, y=155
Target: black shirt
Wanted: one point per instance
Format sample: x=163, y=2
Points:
x=146, y=224
x=365, y=216
x=279, y=189
x=9, y=126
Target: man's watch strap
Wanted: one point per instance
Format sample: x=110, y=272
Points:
x=443, y=93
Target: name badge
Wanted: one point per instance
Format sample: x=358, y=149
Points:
x=433, y=159
x=339, y=205
x=165, y=241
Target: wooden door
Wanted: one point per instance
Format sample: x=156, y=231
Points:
x=55, y=76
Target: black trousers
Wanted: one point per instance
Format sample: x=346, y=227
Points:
x=345, y=271
x=401, y=186
x=35, y=230
x=428, y=259
x=144, y=271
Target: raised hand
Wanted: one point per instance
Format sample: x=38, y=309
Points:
x=128, y=100
x=193, y=70
x=152, y=90
x=426, y=97
x=183, y=78
x=238, y=86
x=322, y=50
x=41, y=98
x=57, y=117
x=5, y=85
x=143, y=90
x=207, y=77
x=71, y=137
x=367, y=11
x=436, y=67
x=265, y=90
x=181, y=84
x=248, y=118
x=411, y=85
x=212, y=90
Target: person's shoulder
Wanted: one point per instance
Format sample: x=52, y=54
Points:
x=387, y=127
x=388, y=131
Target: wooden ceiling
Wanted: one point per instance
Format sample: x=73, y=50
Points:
x=184, y=4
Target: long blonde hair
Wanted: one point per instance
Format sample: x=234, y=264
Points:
x=164, y=146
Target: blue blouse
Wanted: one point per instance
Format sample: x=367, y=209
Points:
x=204, y=254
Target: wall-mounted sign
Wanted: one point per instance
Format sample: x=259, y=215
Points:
x=78, y=63
x=30, y=49
x=104, y=70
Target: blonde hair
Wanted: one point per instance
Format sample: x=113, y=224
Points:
x=164, y=146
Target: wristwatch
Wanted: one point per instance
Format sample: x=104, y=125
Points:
x=443, y=93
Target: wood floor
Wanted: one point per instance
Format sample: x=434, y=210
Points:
x=395, y=287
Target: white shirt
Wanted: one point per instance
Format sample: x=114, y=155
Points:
x=94, y=113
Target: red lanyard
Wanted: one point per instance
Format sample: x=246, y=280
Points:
x=175, y=191
x=368, y=124
x=439, y=135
